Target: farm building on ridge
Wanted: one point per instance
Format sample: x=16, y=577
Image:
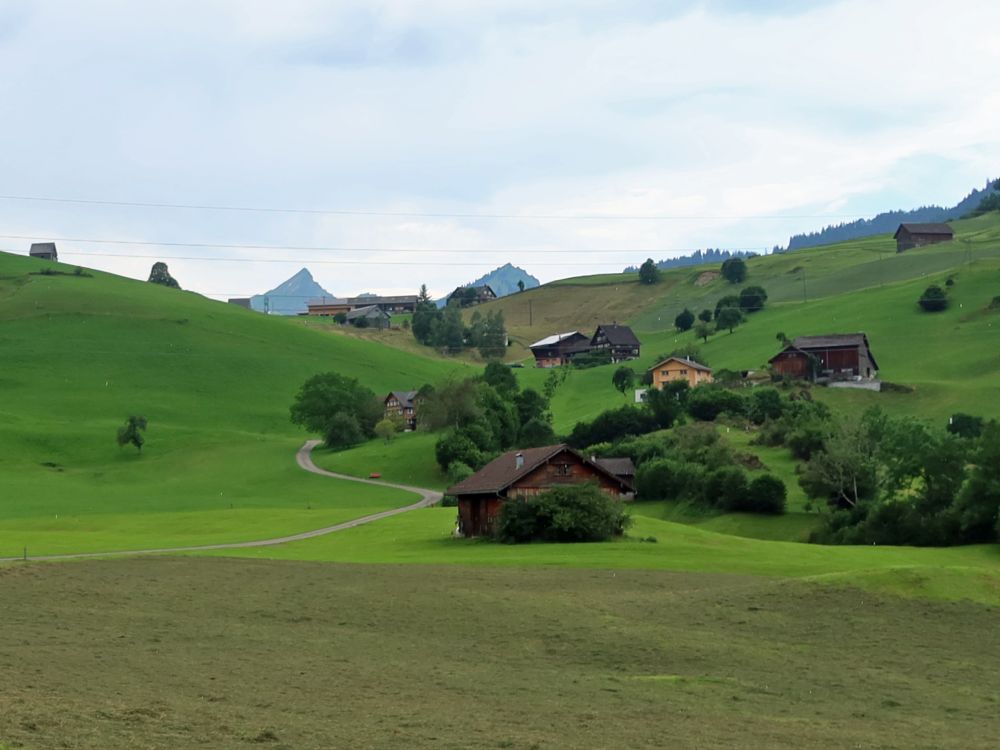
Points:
x=679, y=368
x=835, y=356
x=525, y=473
x=619, y=339
x=917, y=235
x=472, y=295
x=44, y=251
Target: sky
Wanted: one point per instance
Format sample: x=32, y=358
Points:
x=388, y=144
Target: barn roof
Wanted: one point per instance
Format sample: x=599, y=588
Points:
x=367, y=312
x=618, y=335
x=402, y=299
x=42, y=248
x=684, y=361
x=554, y=339
x=620, y=467
x=930, y=228
x=502, y=472
x=830, y=341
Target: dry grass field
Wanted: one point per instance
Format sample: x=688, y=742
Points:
x=220, y=653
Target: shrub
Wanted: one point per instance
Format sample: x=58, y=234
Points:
x=752, y=299
x=449, y=501
x=684, y=320
x=578, y=513
x=730, y=300
x=764, y=404
x=613, y=425
x=995, y=303
x=667, y=479
x=594, y=358
x=734, y=270
x=965, y=425
x=726, y=488
x=708, y=403
x=456, y=446
x=806, y=440
x=765, y=494
x=934, y=299
x=458, y=471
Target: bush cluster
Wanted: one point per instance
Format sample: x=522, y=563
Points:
x=578, y=513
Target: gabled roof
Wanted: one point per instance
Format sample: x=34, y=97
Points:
x=617, y=335
x=620, y=467
x=555, y=339
x=806, y=344
x=931, y=228
x=502, y=472
x=684, y=361
x=368, y=310
x=42, y=248
x=405, y=398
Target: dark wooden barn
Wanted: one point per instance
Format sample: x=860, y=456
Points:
x=559, y=348
x=917, y=235
x=521, y=474
x=619, y=339
x=836, y=356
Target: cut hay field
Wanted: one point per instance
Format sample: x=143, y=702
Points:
x=80, y=353
x=238, y=653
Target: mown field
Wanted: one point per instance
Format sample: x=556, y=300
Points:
x=81, y=353
x=237, y=653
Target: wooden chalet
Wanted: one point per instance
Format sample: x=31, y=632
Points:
x=402, y=405
x=619, y=339
x=521, y=474
x=917, y=235
x=679, y=368
x=476, y=296
x=559, y=349
x=44, y=251
x=836, y=356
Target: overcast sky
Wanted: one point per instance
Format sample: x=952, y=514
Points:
x=736, y=127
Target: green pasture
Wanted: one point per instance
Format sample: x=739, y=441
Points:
x=425, y=536
x=185, y=652
x=80, y=353
x=407, y=459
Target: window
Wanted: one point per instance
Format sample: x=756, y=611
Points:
x=563, y=470
x=684, y=372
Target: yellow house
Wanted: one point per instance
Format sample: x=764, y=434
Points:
x=678, y=368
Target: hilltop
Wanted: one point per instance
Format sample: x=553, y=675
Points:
x=82, y=352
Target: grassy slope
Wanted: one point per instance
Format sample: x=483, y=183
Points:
x=215, y=382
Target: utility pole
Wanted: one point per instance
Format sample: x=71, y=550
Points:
x=804, y=298
x=530, y=316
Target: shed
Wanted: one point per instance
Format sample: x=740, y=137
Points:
x=525, y=473
x=374, y=314
x=917, y=235
x=44, y=251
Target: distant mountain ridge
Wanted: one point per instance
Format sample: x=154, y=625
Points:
x=887, y=222
x=502, y=281
x=291, y=297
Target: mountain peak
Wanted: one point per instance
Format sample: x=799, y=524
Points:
x=291, y=297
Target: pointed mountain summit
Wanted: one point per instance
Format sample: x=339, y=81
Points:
x=502, y=281
x=291, y=296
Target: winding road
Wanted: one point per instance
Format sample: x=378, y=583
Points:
x=304, y=459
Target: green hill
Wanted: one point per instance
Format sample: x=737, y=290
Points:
x=82, y=352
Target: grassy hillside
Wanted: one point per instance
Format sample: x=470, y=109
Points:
x=215, y=381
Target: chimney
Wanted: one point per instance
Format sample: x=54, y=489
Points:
x=518, y=460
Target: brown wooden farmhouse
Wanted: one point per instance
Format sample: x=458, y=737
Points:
x=918, y=235
x=619, y=339
x=521, y=474
x=402, y=405
x=837, y=356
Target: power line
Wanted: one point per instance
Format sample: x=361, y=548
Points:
x=422, y=214
x=309, y=261
x=334, y=249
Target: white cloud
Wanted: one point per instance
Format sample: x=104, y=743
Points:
x=696, y=110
